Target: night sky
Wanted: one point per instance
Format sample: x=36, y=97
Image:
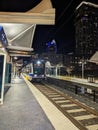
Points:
x=63, y=31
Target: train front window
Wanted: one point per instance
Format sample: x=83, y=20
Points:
x=38, y=68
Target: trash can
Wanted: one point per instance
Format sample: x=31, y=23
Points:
x=91, y=79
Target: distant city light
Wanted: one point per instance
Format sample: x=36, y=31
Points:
x=38, y=62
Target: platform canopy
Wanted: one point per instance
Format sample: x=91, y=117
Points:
x=94, y=58
x=19, y=27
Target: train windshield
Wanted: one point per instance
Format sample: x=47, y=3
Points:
x=38, y=68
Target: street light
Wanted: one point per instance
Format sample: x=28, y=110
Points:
x=83, y=70
x=82, y=63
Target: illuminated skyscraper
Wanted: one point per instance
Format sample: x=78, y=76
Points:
x=86, y=26
x=51, y=47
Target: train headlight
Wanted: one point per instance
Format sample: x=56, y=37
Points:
x=42, y=75
x=38, y=62
x=35, y=75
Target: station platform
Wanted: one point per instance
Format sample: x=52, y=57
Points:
x=76, y=80
x=26, y=108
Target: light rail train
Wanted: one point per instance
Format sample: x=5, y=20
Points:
x=36, y=70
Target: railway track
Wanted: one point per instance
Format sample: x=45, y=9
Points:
x=84, y=117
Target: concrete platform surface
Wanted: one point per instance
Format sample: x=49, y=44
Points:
x=58, y=120
x=26, y=108
x=21, y=111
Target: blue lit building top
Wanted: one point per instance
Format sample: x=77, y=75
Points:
x=51, y=46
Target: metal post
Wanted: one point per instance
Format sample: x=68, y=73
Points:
x=59, y=71
x=94, y=94
x=11, y=59
x=56, y=71
x=14, y=70
x=82, y=70
x=76, y=89
x=3, y=78
x=82, y=88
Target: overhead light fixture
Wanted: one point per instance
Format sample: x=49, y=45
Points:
x=9, y=44
x=15, y=58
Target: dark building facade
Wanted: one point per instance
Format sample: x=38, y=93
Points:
x=86, y=26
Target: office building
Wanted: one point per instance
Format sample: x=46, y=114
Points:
x=86, y=27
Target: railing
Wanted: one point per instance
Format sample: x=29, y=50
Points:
x=78, y=86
